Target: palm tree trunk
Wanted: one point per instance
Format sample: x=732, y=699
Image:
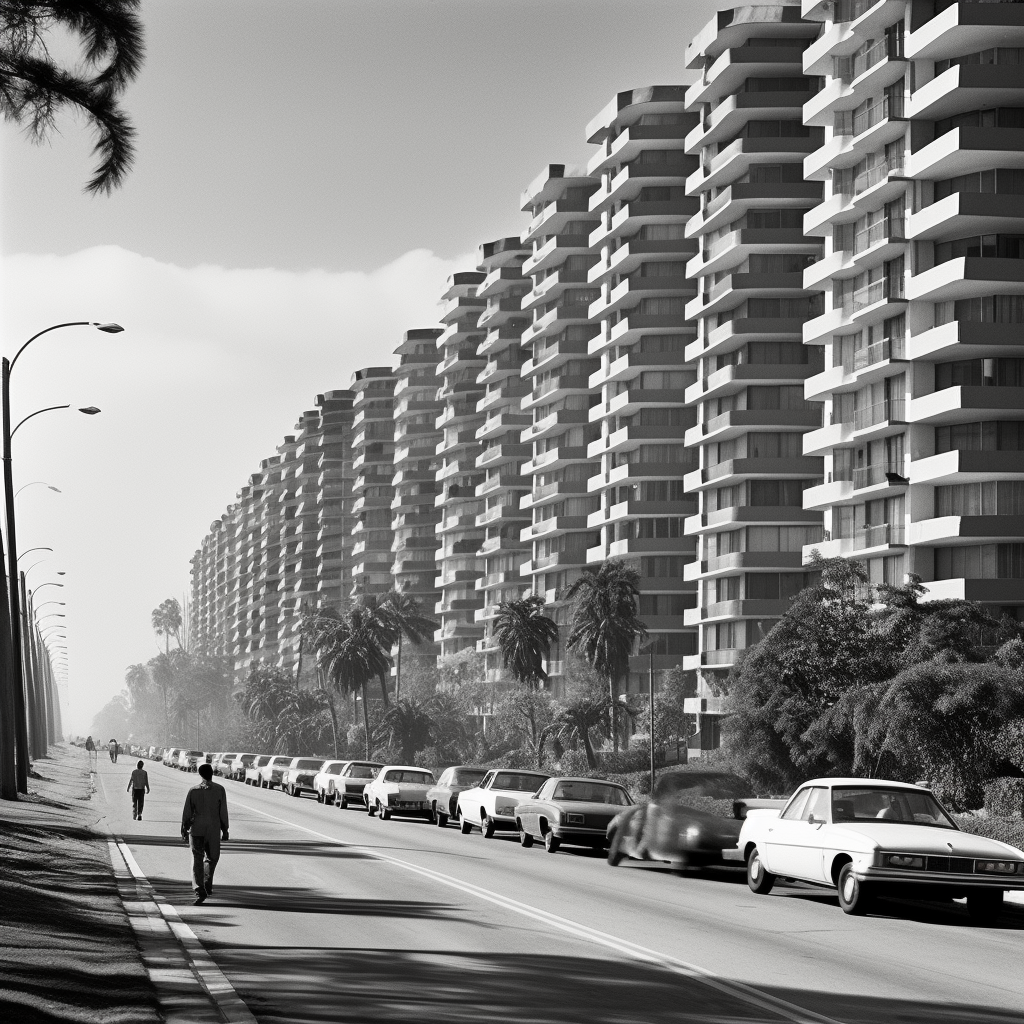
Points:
x=384, y=688
x=398, y=670
x=588, y=748
x=366, y=723
x=298, y=667
x=613, y=695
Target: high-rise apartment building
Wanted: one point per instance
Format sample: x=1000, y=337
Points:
x=639, y=459
x=373, y=453
x=923, y=215
x=458, y=536
x=558, y=374
x=414, y=513
x=332, y=551
x=502, y=453
x=750, y=309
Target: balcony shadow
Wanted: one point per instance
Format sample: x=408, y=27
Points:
x=344, y=986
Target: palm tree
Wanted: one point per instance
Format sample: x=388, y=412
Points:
x=408, y=726
x=605, y=625
x=407, y=619
x=574, y=718
x=35, y=88
x=525, y=635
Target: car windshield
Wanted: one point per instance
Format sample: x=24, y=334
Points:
x=247, y=758
x=362, y=771
x=408, y=776
x=335, y=769
x=591, y=792
x=281, y=760
x=306, y=764
x=468, y=777
x=876, y=803
x=517, y=783
x=194, y=753
x=260, y=762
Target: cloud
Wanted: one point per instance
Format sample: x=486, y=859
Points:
x=214, y=368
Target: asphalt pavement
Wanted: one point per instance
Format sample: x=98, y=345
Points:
x=322, y=915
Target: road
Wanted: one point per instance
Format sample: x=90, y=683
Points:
x=322, y=915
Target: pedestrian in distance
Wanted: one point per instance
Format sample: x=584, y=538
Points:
x=91, y=749
x=139, y=785
x=204, y=824
x=114, y=751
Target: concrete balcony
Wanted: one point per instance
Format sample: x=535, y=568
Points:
x=554, y=217
x=635, y=472
x=966, y=28
x=736, y=159
x=556, y=458
x=628, y=293
x=731, y=68
x=626, y=185
x=632, y=364
x=750, y=515
x=500, y=280
x=732, y=471
x=734, y=110
x=967, y=277
x=947, y=530
x=627, y=257
x=504, y=422
x=733, y=424
x=502, y=454
x=733, y=379
x=824, y=496
x=994, y=592
x=623, y=511
x=634, y=215
x=553, y=422
x=735, y=200
x=564, y=384
x=966, y=213
x=743, y=561
x=962, y=467
x=736, y=287
x=633, y=399
x=965, y=404
x=629, y=438
x=548, y=493
x=737, y=333
x=964, y=150
x=552, y=527
x=732, y=249
x=629, y=329
x=966, y=87
x=632, y=141
x=723, y=611
x=555, y=251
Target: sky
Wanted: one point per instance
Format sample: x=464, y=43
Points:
x=309, y=172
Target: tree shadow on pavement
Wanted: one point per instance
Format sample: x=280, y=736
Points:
x=305, y=848
x=387, y=986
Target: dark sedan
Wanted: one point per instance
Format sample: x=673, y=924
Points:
x=683, y=824
x=571, y=812
x=444, y=796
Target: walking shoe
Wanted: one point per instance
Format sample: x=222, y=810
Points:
x=140, y=817
x=209, y=889
x=134, y=816
x=200, y=898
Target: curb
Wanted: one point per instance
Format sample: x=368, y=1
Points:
x=190, y=988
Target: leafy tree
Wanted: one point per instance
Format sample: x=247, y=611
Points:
x=405, y=616
x=525, y=635
x=671, y=720
x=606, y=627
x=407, y=726
x=35, y=88
x=520, y=715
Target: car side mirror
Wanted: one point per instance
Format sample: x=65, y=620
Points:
x=812, y=820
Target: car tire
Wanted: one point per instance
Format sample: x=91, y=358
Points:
x=854, y=895
x=984, y=908
x=759, y=880
x=487, y=827
x=383, y=812
x=551, y=843
x=440, y=819
x=370, y=809
x=342, y=803
x=525, y=838
x=465, y=826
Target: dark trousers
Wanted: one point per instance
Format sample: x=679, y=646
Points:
x=205, y=854
x=138, y=801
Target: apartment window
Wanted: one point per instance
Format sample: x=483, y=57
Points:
x=991, y=117
x=663, y=604
x=776, y=493
x=781, y=397
x=774, y=586
x=675, y=644
x=781, y=538
x=669, y=268
x=995, y=55
x=772, y=353
x=980, y=561
x=663, y=380
x=662, y=307
x=662, y=566
x=889, y=570
x=993, y=498
x=775, y=445
x=725, y=588
x=775, y=174
x=777, y=263
x=662, y=232
x=660, y=490
x=1007, y=247
x=773, y=219
x=801, y=84
x=980, y=373
x=659, y=529
x=999, y=309
x=1001, y=181
x=990, y=436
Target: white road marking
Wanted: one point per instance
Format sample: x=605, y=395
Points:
x=209, y=974
x=737, y=990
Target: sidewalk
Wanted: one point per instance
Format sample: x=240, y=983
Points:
x=67, y=949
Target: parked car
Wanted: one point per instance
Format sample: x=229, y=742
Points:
x=298, y=777
x=350, y=784
x=238, y=766
x=871, y=837
x=491, y=806
x=568, y=811
x=674, y=827
x=221, y=762
x=444, y=796
x=170, y=756
x=252, y=773
x=323, y=781
x=190, y=760
x=399, y=789
x=272, y=772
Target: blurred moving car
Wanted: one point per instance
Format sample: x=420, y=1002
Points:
x=170, y=757
x=252, y=773
x=682, y=824
x=323, y=781
x=492, y=805
x=871, y=837
x=399, y=789
x=444, y=796
x=349, y=786
x=298, y=777
x=271, y=774
x=571, y=812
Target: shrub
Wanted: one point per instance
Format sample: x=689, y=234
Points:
x=574, y=762
x=1004, y=797
x=1006, y=830
x=636, y=759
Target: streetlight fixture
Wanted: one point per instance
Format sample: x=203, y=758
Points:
x=34, y=483
x=45, y=603
x=30, y=550
x=49, y=584
x=51, y=615
x=12, y=691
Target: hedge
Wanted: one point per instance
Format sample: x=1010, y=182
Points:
x=1004, y=797
x=1005, y=829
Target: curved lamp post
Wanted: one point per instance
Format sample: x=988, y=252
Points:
x=15, y=701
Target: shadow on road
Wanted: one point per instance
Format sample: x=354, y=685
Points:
x=303, y=848
x=339, y=986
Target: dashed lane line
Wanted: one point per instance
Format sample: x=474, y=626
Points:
x=737, y=990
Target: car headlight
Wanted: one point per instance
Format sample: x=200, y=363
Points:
x=693, y=832
x=902, y=860
x=508, y=810
x=997, y=867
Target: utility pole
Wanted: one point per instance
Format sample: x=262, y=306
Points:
x=650, y=693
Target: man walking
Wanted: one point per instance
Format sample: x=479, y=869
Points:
x=114, y=751
x=139, y=785
x=91, y=749
x=205, y=816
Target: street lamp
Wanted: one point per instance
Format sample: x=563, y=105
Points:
x=34, y=483
x=30, y=550
x=50, y=615
x=45, y=603
x=49, y=584
x=15, y=701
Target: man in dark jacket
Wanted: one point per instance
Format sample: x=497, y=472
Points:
x=204, y=823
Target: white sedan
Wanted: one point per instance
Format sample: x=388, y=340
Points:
x=870, y=837
x=325, y=780
x=399, y=789
x=492, y=805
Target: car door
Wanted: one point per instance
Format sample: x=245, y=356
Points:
x=794, y=838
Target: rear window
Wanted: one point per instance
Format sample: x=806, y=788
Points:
x=362, y=771
x=194, y=753
x=335, y=769
x=517, y=782
x=281, y=760
x=248, y=758
x=307, y=763
x=591, y=792
x=468, y=777
x=399, y=775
